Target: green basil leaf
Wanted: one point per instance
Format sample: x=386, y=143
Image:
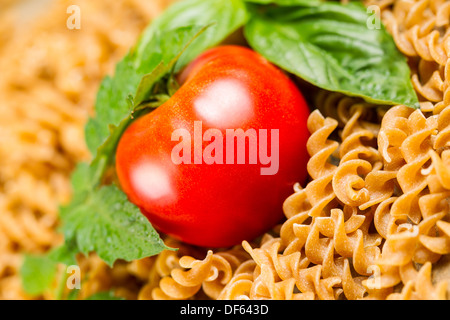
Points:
x=105, y=295
x=332, y=47
x=37, y=273
x=178, y=41
x=226, y=16
x=65, y=254
x=288, y=2
x=113, y=227
x=102, y=220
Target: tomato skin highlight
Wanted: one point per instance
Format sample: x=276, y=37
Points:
x=217, y=205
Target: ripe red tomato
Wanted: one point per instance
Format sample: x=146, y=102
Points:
x=175, y=163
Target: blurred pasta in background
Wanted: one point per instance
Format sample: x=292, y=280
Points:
x=49, y=79
x=372, y=222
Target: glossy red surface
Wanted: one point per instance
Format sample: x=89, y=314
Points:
x=217, y=205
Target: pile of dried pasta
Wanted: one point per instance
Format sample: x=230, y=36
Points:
x=372, y=222
x=48, y=83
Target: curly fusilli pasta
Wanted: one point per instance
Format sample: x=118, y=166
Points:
x=371, y=223
x=47, y=89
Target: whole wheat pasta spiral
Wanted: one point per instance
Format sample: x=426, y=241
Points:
x=356, y=159
x=372, y=221
x=320, y=247
x=210, y=274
